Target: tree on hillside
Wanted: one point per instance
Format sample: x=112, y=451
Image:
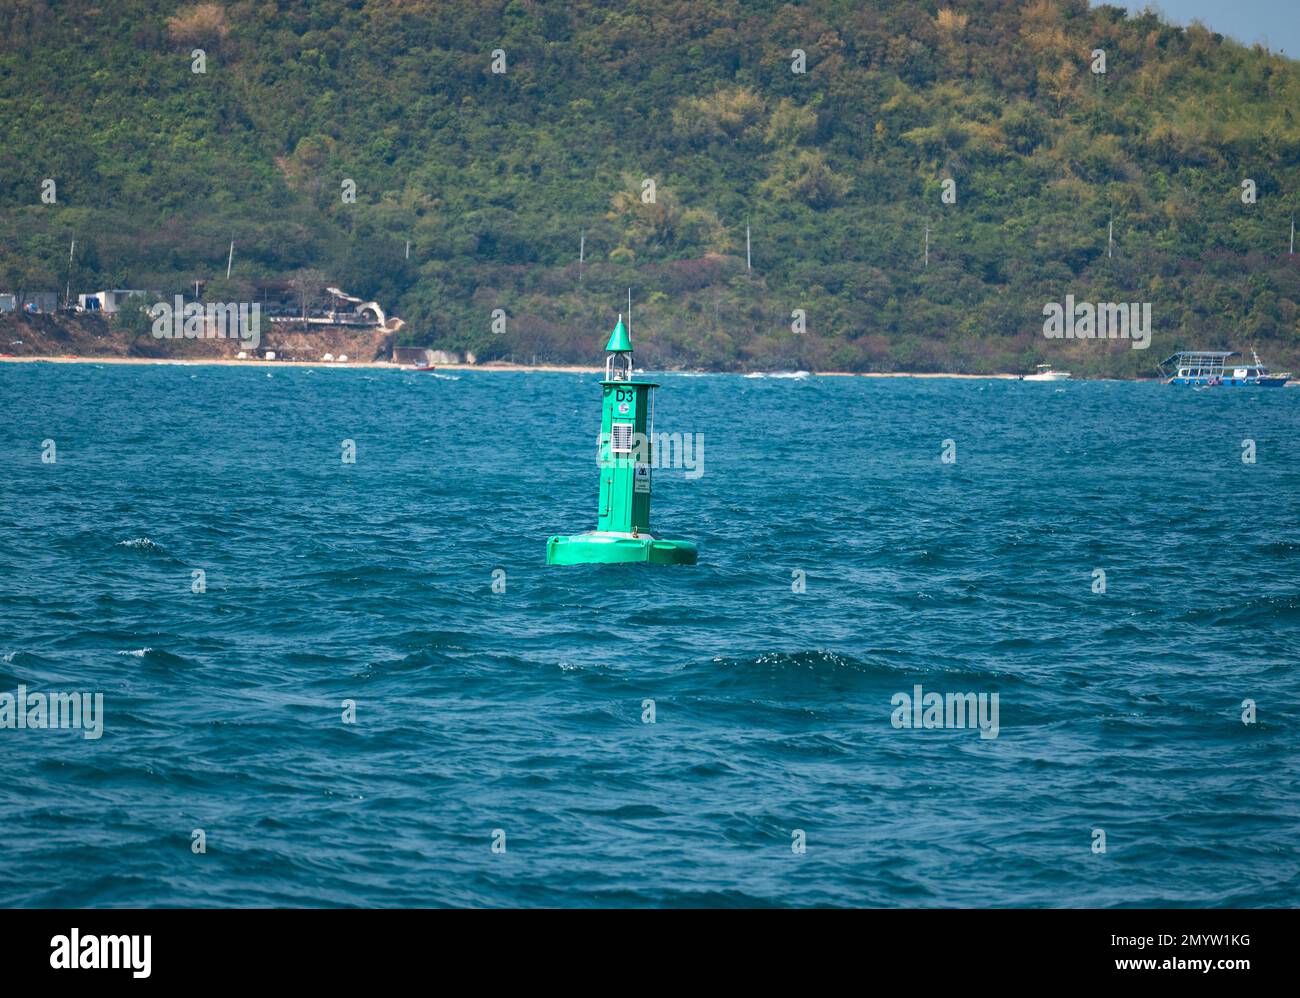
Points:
x=309, y=285
x=202, y=24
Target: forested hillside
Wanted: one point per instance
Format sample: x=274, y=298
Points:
x=494, y=177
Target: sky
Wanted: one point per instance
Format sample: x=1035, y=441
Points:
x=1274, y=23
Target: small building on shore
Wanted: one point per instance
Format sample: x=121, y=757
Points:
x=29, y=301
x=106, y=301
x=343, y=310
x=421, y=356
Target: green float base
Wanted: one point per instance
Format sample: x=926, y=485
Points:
x=603, y=548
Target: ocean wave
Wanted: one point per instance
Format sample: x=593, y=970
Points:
x=780, y=375
x=1259, y=610
x=143, y=545
x=156, y=658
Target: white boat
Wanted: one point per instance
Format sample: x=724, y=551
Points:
x=1209, y=369
x=1045, y=373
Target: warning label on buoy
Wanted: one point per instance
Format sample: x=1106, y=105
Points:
x=641, y=480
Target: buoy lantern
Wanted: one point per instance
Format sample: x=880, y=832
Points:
x=622, y=531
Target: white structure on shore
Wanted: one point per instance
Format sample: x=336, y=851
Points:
x=346, y=310
x=32, y=301
x=106, y=301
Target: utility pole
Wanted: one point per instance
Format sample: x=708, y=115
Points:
x=748, y=265
x=582, y=253
x=408, y=249
x=629, y=311
x=1110, y=240
x=230, y=259
x=927, y=245
x=68, y=293
x=1292, y=251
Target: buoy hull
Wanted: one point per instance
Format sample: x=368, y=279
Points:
x=599, y=548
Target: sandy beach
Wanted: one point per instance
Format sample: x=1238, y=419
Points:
x=251, y=362
x=491, y=366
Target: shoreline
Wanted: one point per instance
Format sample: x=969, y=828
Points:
x=489, y=367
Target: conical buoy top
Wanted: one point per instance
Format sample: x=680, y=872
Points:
x=619, y=341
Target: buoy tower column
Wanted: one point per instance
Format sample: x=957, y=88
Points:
x=624, y=442
x=622, y=531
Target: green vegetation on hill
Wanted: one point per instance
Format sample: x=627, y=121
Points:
x=494, y=177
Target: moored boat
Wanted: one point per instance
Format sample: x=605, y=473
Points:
x=1209, y=369
x=1046, y=373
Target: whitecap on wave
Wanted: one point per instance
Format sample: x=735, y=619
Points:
x=139, y=544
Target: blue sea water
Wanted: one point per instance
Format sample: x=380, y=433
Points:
x=522, y=711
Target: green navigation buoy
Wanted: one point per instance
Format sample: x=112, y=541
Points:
x=622, y=531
